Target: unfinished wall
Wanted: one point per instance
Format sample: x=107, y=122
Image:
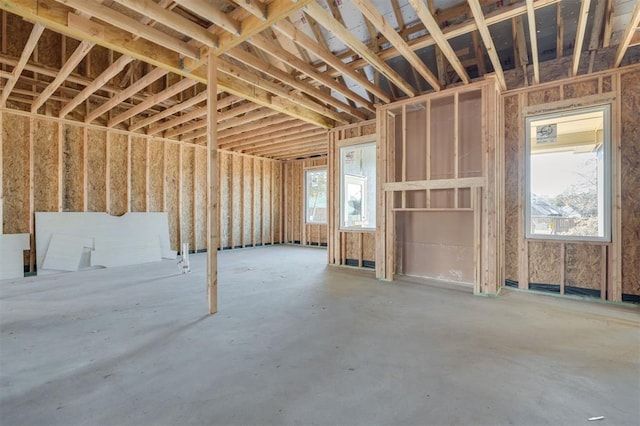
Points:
x=440, y=171
x=74, y=167
x=605, y=270
x=347, y=247
x=297, y=230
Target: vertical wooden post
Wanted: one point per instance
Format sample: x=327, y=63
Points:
x=271, y=201
x=212, y=182
x=253, y=201
x=615, y=286
x=242, y=189
x=562, y=262
x=381, y=196
x=32, y=251
x=180, y=196
x=1, y=148
x=456, y=143
x=107, y=173
x=194, y=204
x=60, y=165
x=147, y=171
x=128, y=172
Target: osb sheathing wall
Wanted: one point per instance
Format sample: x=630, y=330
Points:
x=76, y=168
x=297, y=231
x=610, y=269
x=347, y=247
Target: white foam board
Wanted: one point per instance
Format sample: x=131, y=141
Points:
x=65, y=252
x=125, y=251
x=130, y=229
x=12, y=247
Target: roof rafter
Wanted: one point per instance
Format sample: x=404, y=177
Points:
x=631, y=28
x=31, y=44
x=580, y=31
x=434, y=29
x=73, y=61
x=483, y=29
x=331, y=24
x=369, y=10
x=96, y=84
x=533, y=38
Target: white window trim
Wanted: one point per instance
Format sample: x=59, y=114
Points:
x=608, y=193
x=347, y=144
x=304, y=195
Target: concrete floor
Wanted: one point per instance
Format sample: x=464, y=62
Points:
x=297, y=342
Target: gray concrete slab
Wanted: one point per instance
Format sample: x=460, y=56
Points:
x=297, y=342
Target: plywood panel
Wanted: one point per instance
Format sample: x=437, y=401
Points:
x=236, y=199
x=544, y=262
x=277, y=200
x=72, y=169
x=118, y=169
x=15, y=173
x=247, y=199
x=583, y=266
x=266, y=202
x=630, y=181
x=470, y=134
x=156, y=175
x=96, y=170
x=369, y=247
x=511, y=185
x=353, y=245
x=187, y=234
x=257, y=200
x=581, y=89
x=436, y=245
x=45, y=173
x=225, y=208
x=172, y=183
x=544, y=96
x=201, y=199
x=138, y=174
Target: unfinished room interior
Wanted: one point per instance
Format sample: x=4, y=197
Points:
x=252, y=212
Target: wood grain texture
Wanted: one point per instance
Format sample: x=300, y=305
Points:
x=583, y=88
x=630, y=174
x=72, y=169
x=544, y=263
x=512, y=142
x=172, y=183
x=583, y=264
x=543, y=96
x=156, y=183
x=201, y=200
x=45, y=176
x=118, y=167
x=187, y=234
x=96, y=170
x=138, y=174
x=15, y=173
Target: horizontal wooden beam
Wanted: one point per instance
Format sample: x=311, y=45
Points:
x=436, y=184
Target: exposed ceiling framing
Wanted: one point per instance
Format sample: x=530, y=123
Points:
x=287, y=70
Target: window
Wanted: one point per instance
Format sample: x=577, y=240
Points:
x=316, y=195
x=358, y=186
x=568, y=193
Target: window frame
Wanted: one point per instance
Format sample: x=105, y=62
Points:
x=305, y=210
x=346, y=144
x=607, y=178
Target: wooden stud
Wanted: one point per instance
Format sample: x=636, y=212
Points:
x=603, y=271
x=456, y=144
x=212, y=186
x=129, y=192
x=32, y=230
x=560, y=31
x=563, y=266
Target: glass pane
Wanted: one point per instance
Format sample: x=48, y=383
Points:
x=567, y=175
x=358, y=186
x=316, y=196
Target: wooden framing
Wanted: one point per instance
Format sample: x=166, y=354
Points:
x=582, y=25
x=212, y=186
